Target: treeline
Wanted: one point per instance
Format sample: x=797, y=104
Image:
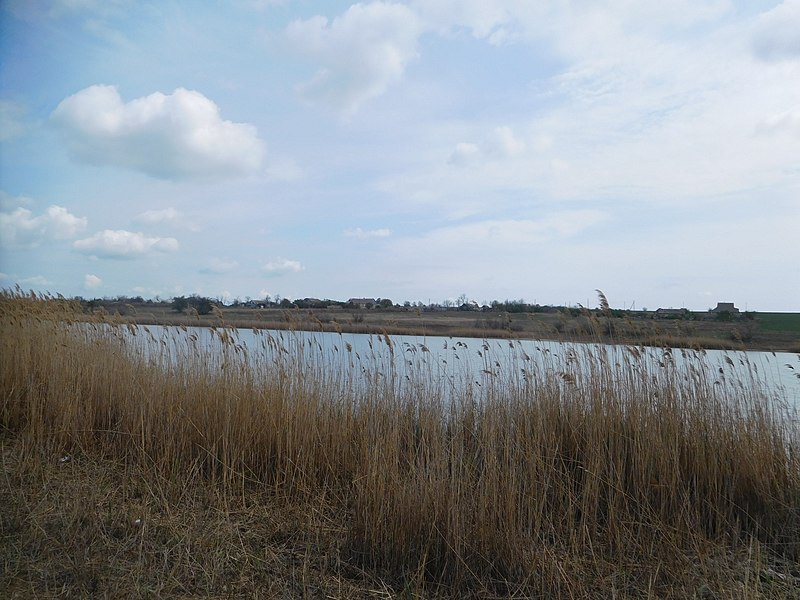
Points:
x=204, y=305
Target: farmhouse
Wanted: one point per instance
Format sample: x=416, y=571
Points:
x=362, y=302
x=725, y=307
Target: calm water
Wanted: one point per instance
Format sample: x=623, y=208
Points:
x=450, y=365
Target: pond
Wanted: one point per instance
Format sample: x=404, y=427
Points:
x=450, y=366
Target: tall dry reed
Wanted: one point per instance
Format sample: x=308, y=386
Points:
x=581, y=474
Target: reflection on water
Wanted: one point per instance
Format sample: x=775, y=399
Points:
x=452, y=367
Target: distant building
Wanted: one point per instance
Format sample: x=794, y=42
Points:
x=362, y=302
x=725, y=307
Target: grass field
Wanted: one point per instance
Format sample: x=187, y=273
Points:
x=586, y=476
x=780, y=322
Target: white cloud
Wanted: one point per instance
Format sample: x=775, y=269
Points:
x=21, y=228
x=512, y=232
x=63, y=224
x=500, y=143
x=493, y=21
x=158, y=216
x=167, y=216
x=785, y=122
x=777, y=33
x=124, y=244
x=567, y=23
x=280, y=266
x=367, y=233
x=178, y=136
x=361, y=53
x=219, y=266
x=92, y=282
x=616, y=119
x=505, y=256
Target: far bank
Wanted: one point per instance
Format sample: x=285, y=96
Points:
x=778, y=332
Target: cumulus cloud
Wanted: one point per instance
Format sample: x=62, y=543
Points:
x=218, y=266
x=121, y=244
x=180, y=136
x=361, y=53
x=21, y=228
x=92, y=282
x=367, y=233
x=777, y=34
x=280, y=266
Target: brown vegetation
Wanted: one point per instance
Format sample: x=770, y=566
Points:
x=129, y=473
x=615, y=327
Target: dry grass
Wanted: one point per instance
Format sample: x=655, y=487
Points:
x=585, y=475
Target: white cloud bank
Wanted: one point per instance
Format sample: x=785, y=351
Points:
x=122, y=244
x=777, y=35
x=180, y=136
x=279, y=266
x=361, y=53
x=21, y=228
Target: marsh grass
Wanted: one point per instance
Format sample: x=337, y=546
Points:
x=318, y=472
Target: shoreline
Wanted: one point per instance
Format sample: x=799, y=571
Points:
x=615, y=331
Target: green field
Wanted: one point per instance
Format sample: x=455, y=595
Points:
x=779, y=321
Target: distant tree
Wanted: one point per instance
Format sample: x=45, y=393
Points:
x=385, y=303
x=180, y=304
x=202, y=305
x=285, y=303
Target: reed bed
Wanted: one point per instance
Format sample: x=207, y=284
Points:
x=587, y=474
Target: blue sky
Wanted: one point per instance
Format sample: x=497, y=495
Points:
x=407, y=150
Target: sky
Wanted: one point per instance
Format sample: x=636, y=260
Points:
x=415, y=151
